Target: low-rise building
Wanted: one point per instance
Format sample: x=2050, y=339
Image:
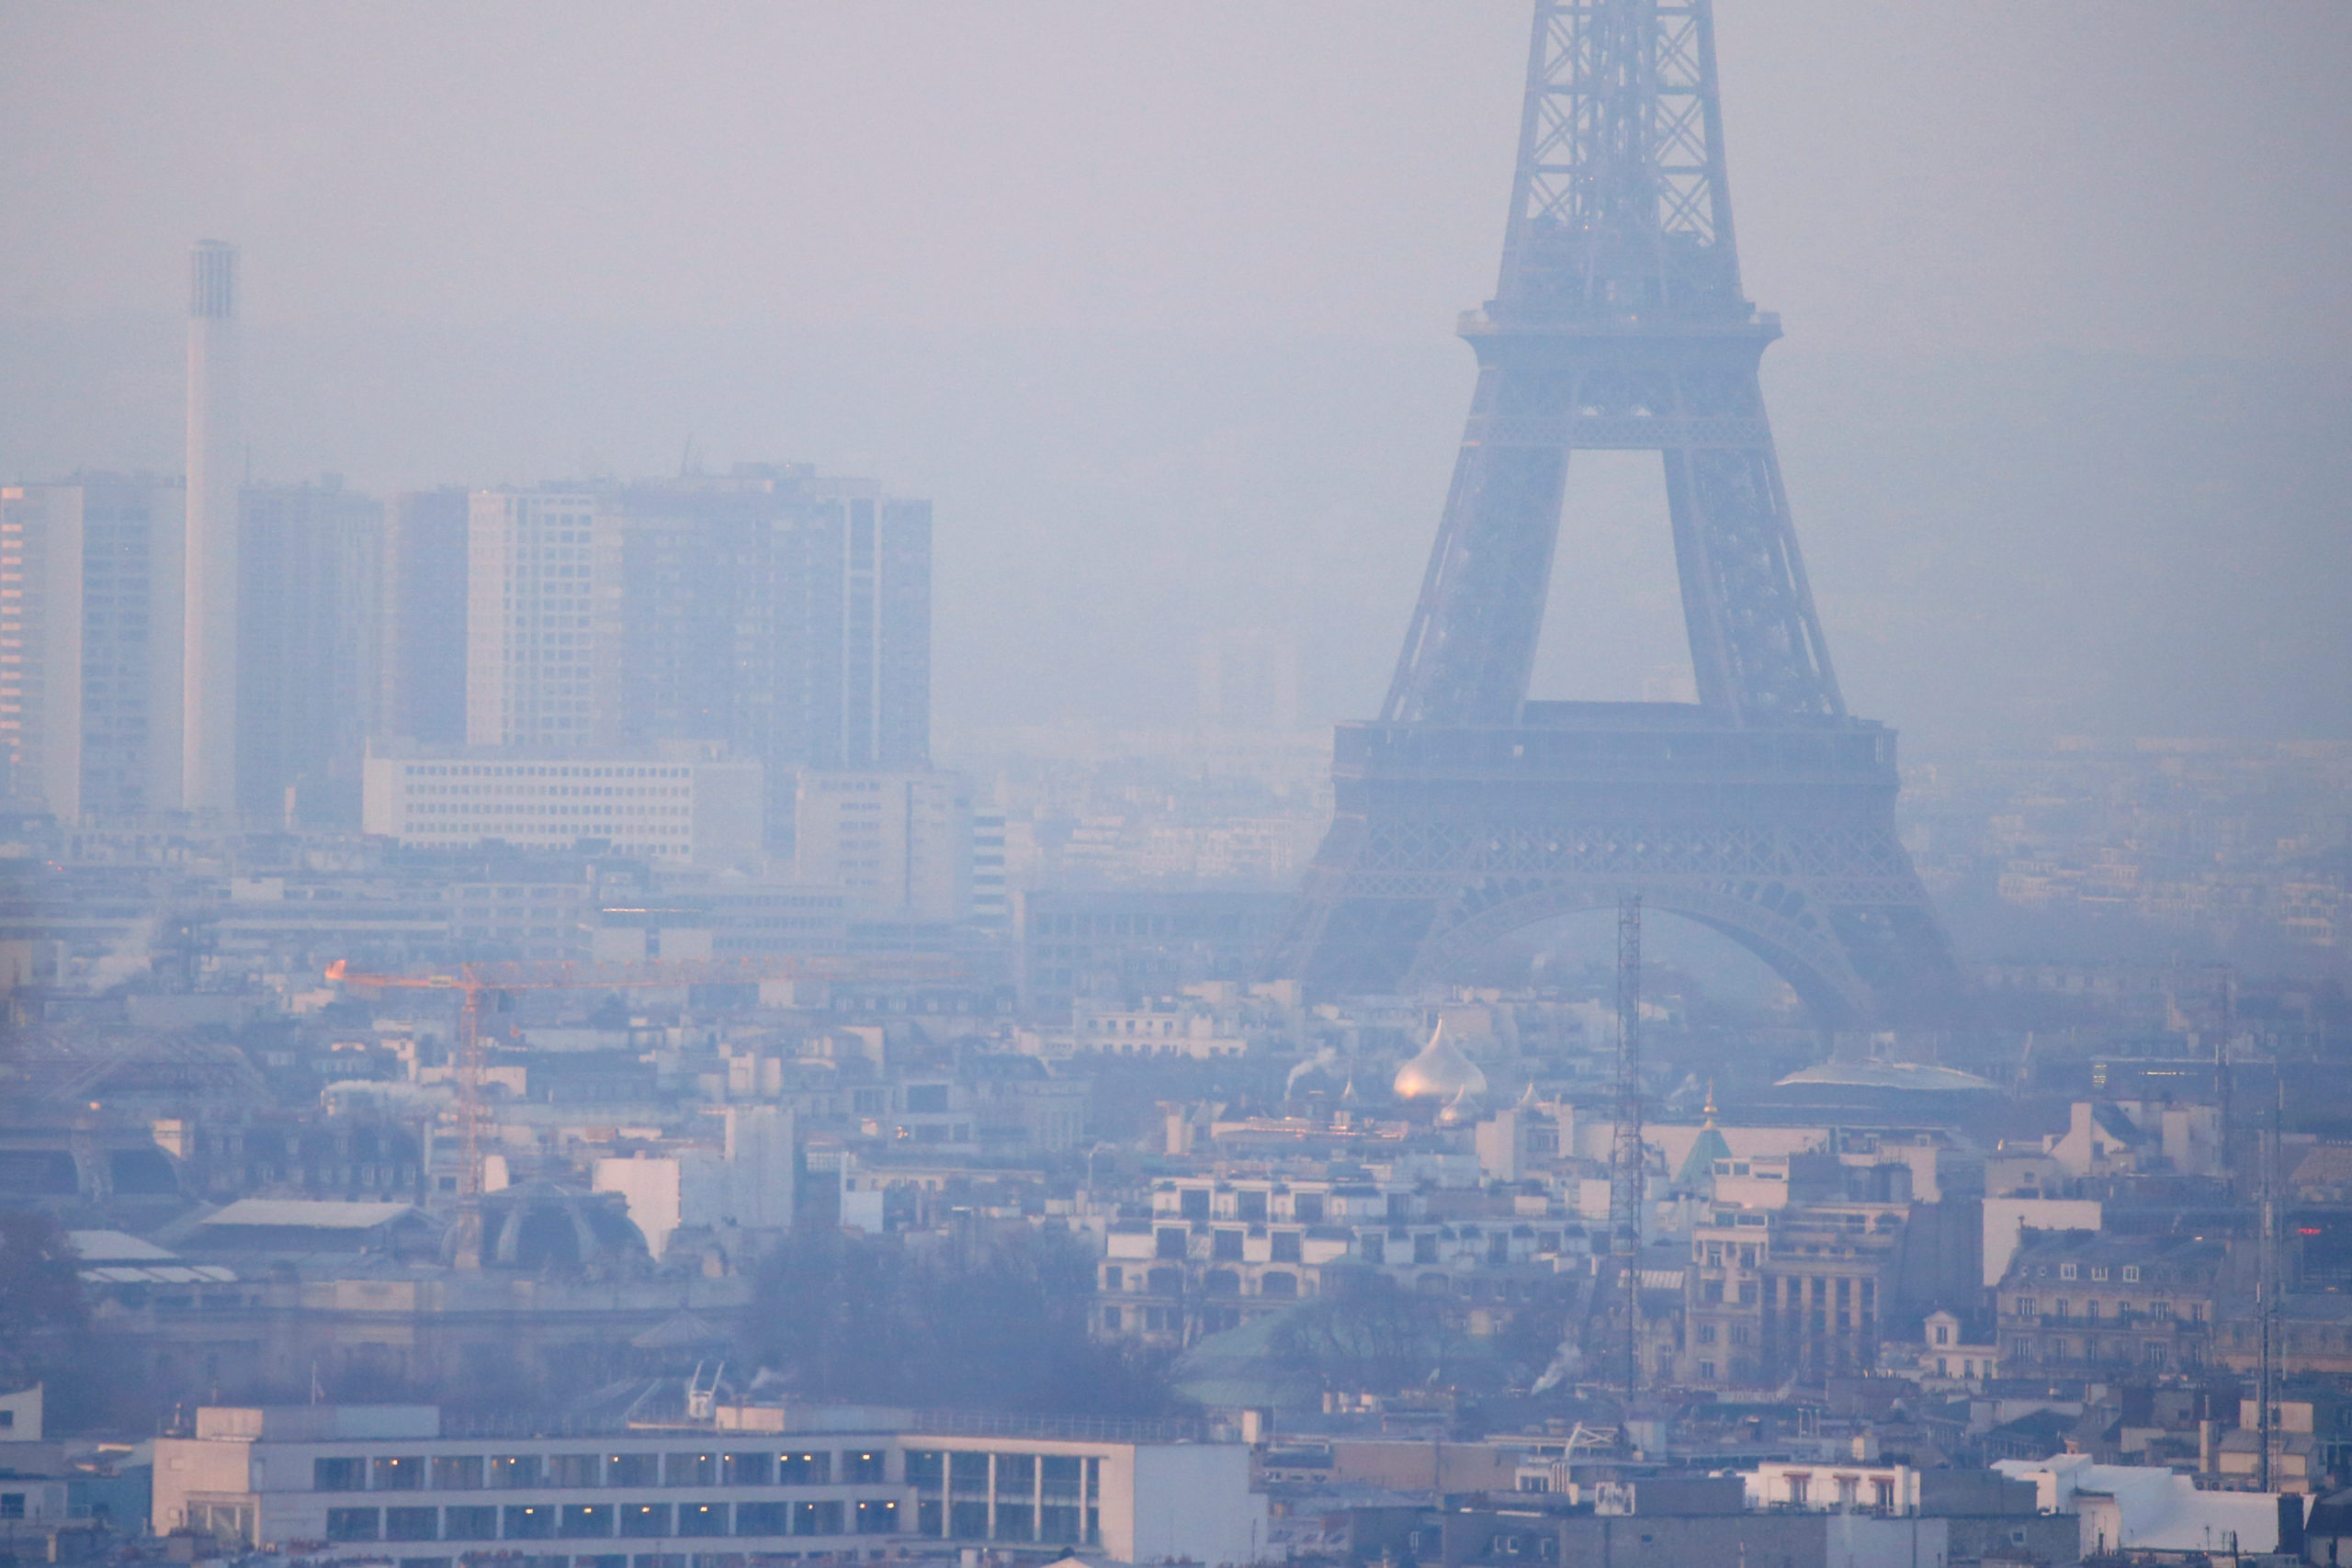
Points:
x=1956, y=1353
x=681, y=807
x=2090, y=1303
x=347, y=1482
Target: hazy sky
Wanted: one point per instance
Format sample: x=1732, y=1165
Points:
x=2149, y=174
x=1156, y=301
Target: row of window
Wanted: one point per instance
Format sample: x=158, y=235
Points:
x=2061, y=1309
x=966, y=1472
x=603, y=1521
x=1215, y=1282
x=1053, y=1524
x=473, y=1472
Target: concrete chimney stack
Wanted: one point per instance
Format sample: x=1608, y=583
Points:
x=208, y=769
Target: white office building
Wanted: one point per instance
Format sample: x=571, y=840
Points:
x=673, y=808
x=396, y=1483
x=898, y=843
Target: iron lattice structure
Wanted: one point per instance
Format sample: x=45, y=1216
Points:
x=1763, y=810
x=1628, y=1162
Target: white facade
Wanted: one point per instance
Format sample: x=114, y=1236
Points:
x=672, y=810
x=215, y=454
x=92, y=592
x=746, y=1186
x=1884, y=1488
x=384, y=1480
x=898, y=843
x=538, y=564
x=2126, y=1508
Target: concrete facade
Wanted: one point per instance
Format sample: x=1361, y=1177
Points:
x=674, y=810
x=92, y=586
x=355, y=1480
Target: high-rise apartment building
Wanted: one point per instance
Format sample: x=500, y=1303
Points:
x=535, y=561
x=422, y=634
x=309, y=557
x=785, y=614
x=209, y=700
x=91, y=596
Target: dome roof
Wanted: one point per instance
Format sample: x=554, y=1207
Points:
x=1439, y=1072
x=540, y=1224
x=1914, y=1075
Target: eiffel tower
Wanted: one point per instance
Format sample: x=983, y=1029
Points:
x=1763, y=810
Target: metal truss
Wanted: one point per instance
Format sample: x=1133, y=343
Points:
x=1618, y=324
x=1620, y=200
x=1832, y=905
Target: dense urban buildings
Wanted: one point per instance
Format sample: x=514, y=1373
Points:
x=517, y=1053
x=782, y=613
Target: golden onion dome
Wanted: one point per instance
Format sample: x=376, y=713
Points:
x=1439, y=1072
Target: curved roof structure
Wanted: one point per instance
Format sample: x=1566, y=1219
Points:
x=1914, y=1077
x=1439, y=1072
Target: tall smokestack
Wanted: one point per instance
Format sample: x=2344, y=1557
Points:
x=209, y=758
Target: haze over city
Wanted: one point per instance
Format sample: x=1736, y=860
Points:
x=1525, y=784
x=1159, y=306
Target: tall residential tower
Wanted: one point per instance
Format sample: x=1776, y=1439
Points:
x=90, y=598
x=782, y=613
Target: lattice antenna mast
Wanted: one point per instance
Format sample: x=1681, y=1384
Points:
x=1626, y=1169
x=2266, y=1374
x=1619, y=204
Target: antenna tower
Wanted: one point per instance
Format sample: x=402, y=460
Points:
x=1626, y=1166
x=2266, y=1378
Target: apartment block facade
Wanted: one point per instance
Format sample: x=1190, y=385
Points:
x=782, y=613
x=91, y=606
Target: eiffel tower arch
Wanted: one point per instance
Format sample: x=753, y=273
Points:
x=1763, y=810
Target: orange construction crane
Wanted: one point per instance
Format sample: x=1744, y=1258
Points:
x=479, y=984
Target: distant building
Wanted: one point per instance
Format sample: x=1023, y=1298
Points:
x=672, y=809
x=1249, y=681
x=899, y=844
x=309, y=559
x=91, y=596
x=1120, y=943
x=371, y=1481
x=784, y=614
x=2083, y=1304
x=745, y=1188
x=422, y=674
x=1956, y=1353
x=992, y=896
x=535, y=562
x=2139, y=1509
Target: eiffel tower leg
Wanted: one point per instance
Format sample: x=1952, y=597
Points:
x=1471, y=646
